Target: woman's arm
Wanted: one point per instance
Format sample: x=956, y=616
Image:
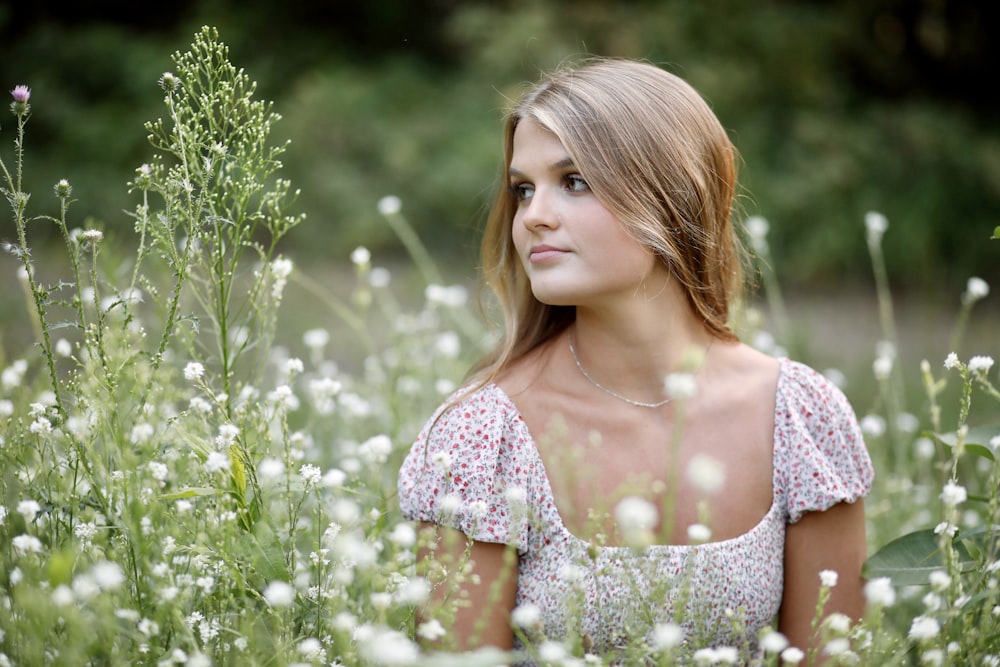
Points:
x=481, y=579
x=829, y=540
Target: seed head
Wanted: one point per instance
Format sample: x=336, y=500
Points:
x=169, y=83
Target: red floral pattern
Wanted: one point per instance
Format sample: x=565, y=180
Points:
x=478, y=471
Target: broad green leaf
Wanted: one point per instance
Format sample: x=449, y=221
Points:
x=191, y=492
x=996, y=233
x=977, y=440
x=265, y=554
x=909, y=560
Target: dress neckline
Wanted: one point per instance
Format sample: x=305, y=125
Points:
x=768, y=518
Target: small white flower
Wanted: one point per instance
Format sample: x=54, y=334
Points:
x=431, y=630
x=526, y=616
x=882, y=368
x=699, y=533
x=636, y=518
x=281, y=268
x=951, y=361
x=880, y=592
x=453, y=296
x=666, y=636
x=448, y=345
x=316, y=339
x=27, y=544
x=837, y=622
x=310, y=474
x=415, y=591
x=63, y=347
x=876, y=225
x=924, y=627
x=217, y=462
x=361, y=256
x=62, y=596
x=975, y=289
x=953, y=494
x=311, y=649
x=773, y=642
x=269, y=469
x=227, y=435
x=706, y=473
x=757, y=228
x=279, y=594
x=29, y=509
x=107, y=575
x=193, y=371
x=551, y=652
x=933, y=657
x=681, y=386
x=517, y=497
x=837, y=646
x=946, y=527
x=980, y=364
x=41, y=426
x=403, y=535
x=828, y=578
x=873, y=425
x=939, y=580
x=450, y=504
x=792, y=655
x=379, y=277
x=389, y=205
x=92, y=235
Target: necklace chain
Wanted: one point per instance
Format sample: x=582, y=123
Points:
x=639, y=404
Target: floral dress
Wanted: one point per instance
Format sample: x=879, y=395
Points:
x=478, y=470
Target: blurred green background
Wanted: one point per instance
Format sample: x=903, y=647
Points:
x=838, y=107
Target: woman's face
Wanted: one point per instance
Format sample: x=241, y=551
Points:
x=573, y=249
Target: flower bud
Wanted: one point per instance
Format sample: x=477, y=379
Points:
x=169, y=83
x=63, y=189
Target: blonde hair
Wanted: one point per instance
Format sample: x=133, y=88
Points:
x=656, y=156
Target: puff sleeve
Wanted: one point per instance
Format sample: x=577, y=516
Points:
x=463, y=470
x=820, y=455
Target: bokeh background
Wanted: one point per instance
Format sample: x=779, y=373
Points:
x=838, y=107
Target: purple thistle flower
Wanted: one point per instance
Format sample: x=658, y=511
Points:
x=21, y=93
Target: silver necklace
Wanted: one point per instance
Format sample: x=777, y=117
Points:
x=639, y=404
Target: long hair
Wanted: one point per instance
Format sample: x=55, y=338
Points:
x=654, y=154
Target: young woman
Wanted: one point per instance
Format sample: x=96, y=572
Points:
x=580, y=467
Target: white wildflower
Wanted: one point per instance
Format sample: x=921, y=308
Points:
x=837, y=646
x=334, y=478
x=665, y=636
x=376, y=450
x=29, y=509
x=837, y=622
x=450, y=504
x=148, y=627
x=316, y=339
x=792, y=655
x=269, y=469
x=828, y=578
x=403, y=535
x=551, y=652
x=379, y=277
x=193, y=371
x=946, y=527
x=92, y=235
x=636, y=519
x=951, y=361
x=933, y=657
x=448, y=345
x=41, y=426
x=62, y=596
x=980, y=364
x=227, y=435
x=27, y=544
x=907, y=422
x=706, y=473
x=516, y=496
x=7, y=408
x=882, y=368
x=389, y=205
x=311, y=649
x=876, y=225
x=279, y=594
x=773, y=642
x=924, y=627
x=873, y=425
x=431, y=630
x=680, y=386
x=63, y=347
x=454, y=296
x=217, y=462
x=880, y=592
x=361, y=256
x=975, y=289
x=953, y=494
x=293, y=365
x=415, y=591
x=526, y=616
x=107, y=575
x=757, y=228
x=939, y=580
x=386, y=647
x=699, y=533
x=310, y=474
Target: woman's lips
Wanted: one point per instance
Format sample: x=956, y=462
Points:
x=545, y=253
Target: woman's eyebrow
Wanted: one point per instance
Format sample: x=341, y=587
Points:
x=556, y=166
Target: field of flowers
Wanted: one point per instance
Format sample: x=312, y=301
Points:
x=180, y=487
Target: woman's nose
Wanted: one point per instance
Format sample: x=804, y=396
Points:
x=540, y=211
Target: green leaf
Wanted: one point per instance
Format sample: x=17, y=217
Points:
x=265, y=553
x=191, y=492
x=909, y=560
x=977, y=440
x=996, y=233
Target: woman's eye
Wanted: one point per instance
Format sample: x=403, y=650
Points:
x=575, y=183
x=522, y=191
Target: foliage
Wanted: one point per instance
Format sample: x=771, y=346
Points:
x=837, y=108
x=179, y=488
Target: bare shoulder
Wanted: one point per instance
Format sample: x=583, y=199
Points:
x=738, y=369
x=527, y=373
